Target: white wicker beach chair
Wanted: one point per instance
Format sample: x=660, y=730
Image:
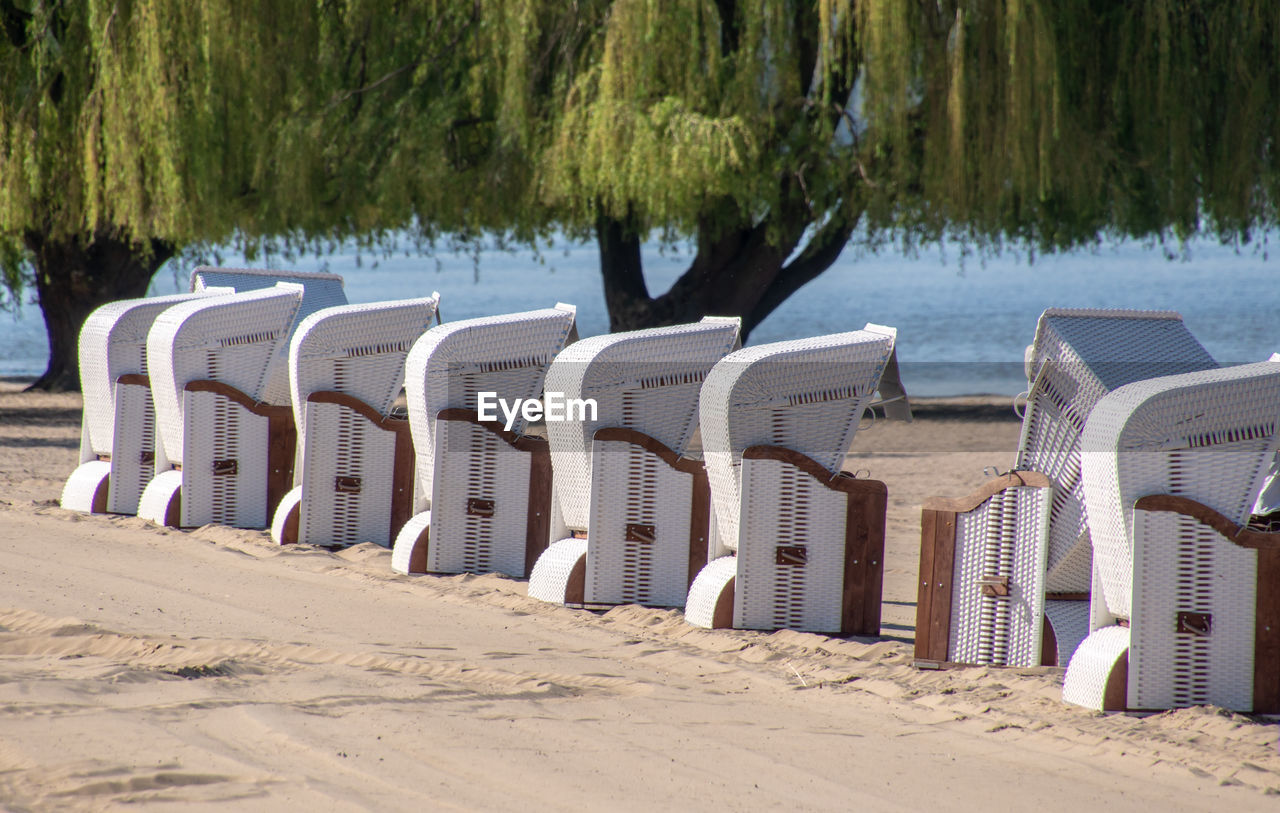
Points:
x=353, y=474
x=117, y=430
x=805, y=541
x=631, y=515
x=1185, y=609
x=222, y=453
x=1005, y=572
x=319, y=291
x=484, y=491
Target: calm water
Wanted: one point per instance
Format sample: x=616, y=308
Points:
x=960, y=330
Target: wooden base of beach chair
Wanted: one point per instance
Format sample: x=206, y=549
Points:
x=810, y=551
x=357, y=476
x=238, y=462
x=1205, y=623
x=981, y=597
x=648, y=528
x=490, y=501
x=409, y=552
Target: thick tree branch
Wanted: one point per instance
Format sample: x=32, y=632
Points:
x=823, y=250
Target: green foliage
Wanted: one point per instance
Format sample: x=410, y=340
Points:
x=1050, y=122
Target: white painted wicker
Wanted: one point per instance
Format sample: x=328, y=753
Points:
x=507, y=355
x=636, y=508
x=806, y=395
x=319, y=291
x=1078, y=356
x=359, y=351
x=230, y=340
x=788, y=529
x=1003, y=537
x=117, y=428
x=1210, y=437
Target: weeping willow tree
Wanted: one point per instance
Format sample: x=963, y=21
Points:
x=767, y=134
x=772, y=133
x=132, y=129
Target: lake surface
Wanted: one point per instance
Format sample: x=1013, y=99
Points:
x=961, y=329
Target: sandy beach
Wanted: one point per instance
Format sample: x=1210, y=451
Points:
x=140, y=665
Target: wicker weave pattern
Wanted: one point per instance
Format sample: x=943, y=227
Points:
x=1078, y=357
x=217, y=428
x=1085, y=683
x=706, y=588
x=478, y=465
x=633, y=486
x=806, y=395
x=345, y=445
x=1182, y=566
x=647, y=380
x=551, y=571
x=1070, y=621
x=783, y=506
x=1004, y=537
x=1209, y=436
x=231, y=339
x=113, y=342
x=507, y=355
x=319, y=291
x=132, y=448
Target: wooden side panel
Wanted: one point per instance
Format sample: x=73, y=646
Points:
x=401, y=474
x=282, y=438
x=538, y=535
x=1266, y=650
x=699, y=524
x=864, y=559
x=933, y=601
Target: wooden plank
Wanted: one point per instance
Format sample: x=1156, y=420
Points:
x=924, y=582
x=943, y=566
x=699, y=524
x=402, y=473
x=282, y=439
x=538, y=525
x=864, y=561
x=1266, y=648
x=1014, y=479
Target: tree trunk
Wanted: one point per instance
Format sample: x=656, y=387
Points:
x=737, y=272
x=73, y=278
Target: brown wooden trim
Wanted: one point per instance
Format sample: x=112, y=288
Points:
x=98, y=505
x=524, y=443
x=135, y=380
x=1240, y=535
x=231, y=393
x=722, y=615
x=282, y=443
x=289, y=532
x=173, y=511
x=418, y=554
x=1067, y=596
x=403, y=460
x=575, y=589
x=699, y=525
x=1266, y=641
x=864, y=560
x=1115, y=697
x=700, y=503
x=933, y=598
x=1048, y=643
x=1014, y=479
x=538, y=517
x=840, y=481
x=649, y=444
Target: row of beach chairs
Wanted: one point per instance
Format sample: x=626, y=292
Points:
x=1117, y=545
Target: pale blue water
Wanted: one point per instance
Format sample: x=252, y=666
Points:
x=960, y=331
